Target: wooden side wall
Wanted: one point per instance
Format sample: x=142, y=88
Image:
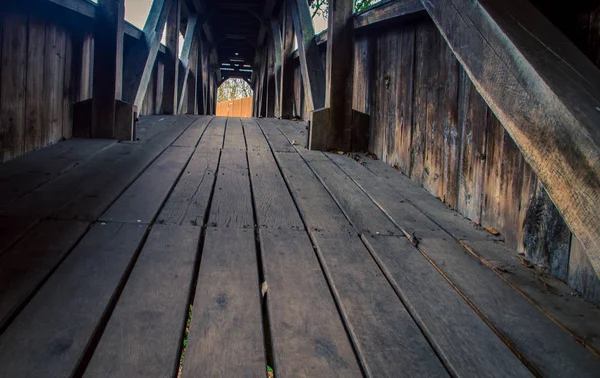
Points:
x=241, y=107
x=429, y=121
x=37, y=85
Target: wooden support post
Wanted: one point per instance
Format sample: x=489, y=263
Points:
x=313, y=76
x=286, y=95
x=543, y=90
x=108, y=67
x=192, y=87
x=172, y=62
x=270, y=88
x=277, y=52
x=140, y=60
x=205, y=76
x=186, y=52
x=336, y=133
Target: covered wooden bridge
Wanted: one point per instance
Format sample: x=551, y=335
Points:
x=417, y=195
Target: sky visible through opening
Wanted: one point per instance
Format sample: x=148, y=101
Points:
x=136, y=13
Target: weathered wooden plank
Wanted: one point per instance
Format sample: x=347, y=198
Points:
x=547, y=101
x=404, y=189
x=357, y=206
x=307, y=332
x=404, y=100
x=226, y=336
x=318, y=209
x=273, y=204
x=581, y=274
x=34, y=94
x=232, y=201
x=449, y=127
x=143, y=334
x=361, y=95
x=255, y=139
x=62, y=317
x=546, y=292
x=434, y=143
x=96, y=197
x=68, y=93
x=371, y=307
x=13, y=91
x=287, y=67
x=19, y=177
x=234, y=135
x=473, y=125
x=142, y=200
x=338, y=80
x=423, y=42
x=464, y=341
x=13, y=228
x=188, y=203
x=27, y=264
x=277, y=140
x=539, y=342
x=191, y=136
x=47, y=199
x=214, y=135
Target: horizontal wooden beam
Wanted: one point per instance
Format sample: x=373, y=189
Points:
x=544, y=91
x=85, y=8
x=387, y=12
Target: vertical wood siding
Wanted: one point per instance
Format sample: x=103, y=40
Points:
x=429, y=121
x=36, y=83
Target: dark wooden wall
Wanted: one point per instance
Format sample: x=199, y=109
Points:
x=429, y=121
x=36, y=81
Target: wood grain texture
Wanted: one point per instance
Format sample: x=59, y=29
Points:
x=547, y=101
x=255, y=140
x=277, y=141
x=214, y=135
x=465, y=343
x=273, y=203
x=226, y=335
x=582, y=276
x=53, y=84
x=308, y=335
x=21, y=176
x=397, y=195
x=191, y=136
x=473, y=125
x=34, y=95
x=143, y=199
x=13, y=90
x=371, y=307
x=234, y=135
x=94, y=199
x=47, y=199
x=232, y=200
x=318, y=209
x=144, y=331
x=540, y=348
x=62, y=317
x=188, y=203
x=25, y=266
x=357, y=206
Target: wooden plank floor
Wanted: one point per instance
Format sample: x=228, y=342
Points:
x=216, y=247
